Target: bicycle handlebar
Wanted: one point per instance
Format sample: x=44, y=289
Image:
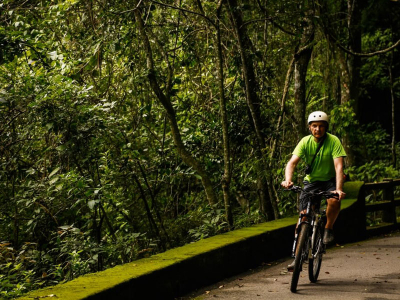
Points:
x=297, y=189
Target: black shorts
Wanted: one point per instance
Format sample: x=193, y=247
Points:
x=326, y=186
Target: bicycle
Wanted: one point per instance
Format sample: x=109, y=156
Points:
x=308, y=241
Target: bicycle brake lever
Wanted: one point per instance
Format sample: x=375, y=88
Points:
x=331, y=195
x=295, y=188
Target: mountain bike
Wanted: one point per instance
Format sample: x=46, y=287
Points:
x=308, y=242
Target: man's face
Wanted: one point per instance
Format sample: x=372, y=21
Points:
x=318, y=129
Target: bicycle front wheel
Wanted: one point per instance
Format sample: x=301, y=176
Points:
x=314, y=263
x=301, y=256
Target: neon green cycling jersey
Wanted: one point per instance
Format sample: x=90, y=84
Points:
x=323, y=167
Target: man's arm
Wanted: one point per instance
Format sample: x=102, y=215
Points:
x=289, y=170
x=338, y=162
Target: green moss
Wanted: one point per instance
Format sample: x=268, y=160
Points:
x=351, y=188
x=94, y=283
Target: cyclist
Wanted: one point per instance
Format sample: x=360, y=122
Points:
x=325, y=171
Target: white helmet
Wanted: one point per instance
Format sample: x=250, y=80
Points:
x=318, y=116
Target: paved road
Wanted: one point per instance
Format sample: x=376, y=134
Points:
x=369, y=270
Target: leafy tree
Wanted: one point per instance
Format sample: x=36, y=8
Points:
x=130, y=128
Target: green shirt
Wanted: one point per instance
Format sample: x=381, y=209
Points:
x=323, y=168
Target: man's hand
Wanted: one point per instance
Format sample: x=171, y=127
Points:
x=287, y=184
x=341, y=194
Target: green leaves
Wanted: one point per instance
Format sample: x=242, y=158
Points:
x=343, y=118
x=92, y=203
x=54, y=172
x=84, y=139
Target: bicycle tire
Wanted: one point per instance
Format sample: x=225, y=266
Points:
x=300, y=256
x=314, y=264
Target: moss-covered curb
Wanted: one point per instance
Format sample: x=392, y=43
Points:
x=180, y=270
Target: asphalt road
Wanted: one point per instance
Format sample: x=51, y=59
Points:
x=368, y=270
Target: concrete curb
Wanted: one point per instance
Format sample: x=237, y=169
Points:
x=181, y=270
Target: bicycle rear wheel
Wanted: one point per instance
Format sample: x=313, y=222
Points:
x=314, y=264
x=301, y=256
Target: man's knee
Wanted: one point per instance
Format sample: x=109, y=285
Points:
x=334, y=204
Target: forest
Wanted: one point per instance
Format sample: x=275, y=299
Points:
x=132, y=127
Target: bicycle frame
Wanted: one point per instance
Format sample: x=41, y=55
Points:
x=312, y=217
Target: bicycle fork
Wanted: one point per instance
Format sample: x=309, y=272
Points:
x=295, y=238
x=314, y=224
x=297, y=231
x=316, y=248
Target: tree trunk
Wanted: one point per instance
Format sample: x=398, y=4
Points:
x=300, y=72
x=153, y=224
x=154, y=204
x=350, y=72
x=16, y=214
x=393, y=113
x=353, y=61
x=282, y=107
x=253, y=103
x=345, y=97
x=165, y=101
x=338, y=90
x=226, y=178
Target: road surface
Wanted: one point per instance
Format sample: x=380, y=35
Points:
x=368, y=270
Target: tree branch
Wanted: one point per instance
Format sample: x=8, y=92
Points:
x=363, y=54
x=129, y=10
x=273, y=23
x=185, y=10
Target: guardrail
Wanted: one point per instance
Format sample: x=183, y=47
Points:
x=387, y=204
x=177, y=271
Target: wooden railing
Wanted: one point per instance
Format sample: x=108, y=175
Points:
x=387, y=204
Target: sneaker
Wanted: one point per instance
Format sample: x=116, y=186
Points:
x=290, y=267
x=328, y=236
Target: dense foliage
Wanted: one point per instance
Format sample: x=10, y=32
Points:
x=113, y=115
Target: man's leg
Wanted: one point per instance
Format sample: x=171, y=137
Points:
x=332, y=212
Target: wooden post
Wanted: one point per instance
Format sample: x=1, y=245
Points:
x=388, y=195
x=362, y=223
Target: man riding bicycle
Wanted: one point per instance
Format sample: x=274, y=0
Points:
x=324, y=155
